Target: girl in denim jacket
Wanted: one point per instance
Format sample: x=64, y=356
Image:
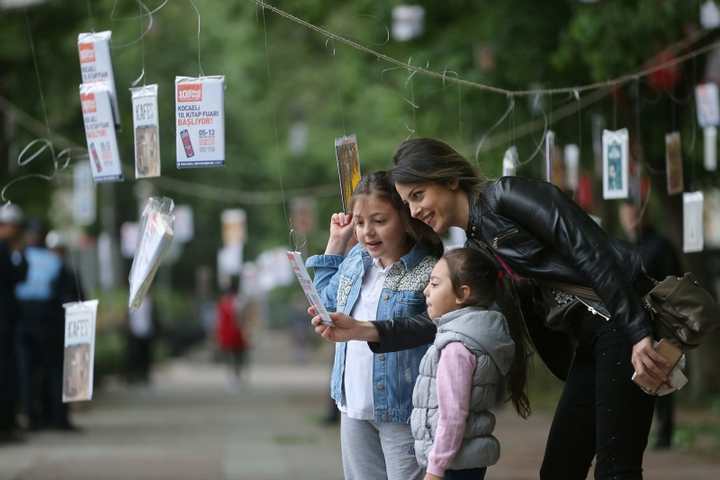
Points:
x=381, y=277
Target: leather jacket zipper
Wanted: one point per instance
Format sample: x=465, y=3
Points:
x=503, y=236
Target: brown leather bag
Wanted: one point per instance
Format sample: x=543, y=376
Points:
x=682, y=310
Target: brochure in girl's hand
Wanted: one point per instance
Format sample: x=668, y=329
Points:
x=311, y=293
x=79, y=350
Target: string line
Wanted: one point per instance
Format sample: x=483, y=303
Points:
x=490, y=88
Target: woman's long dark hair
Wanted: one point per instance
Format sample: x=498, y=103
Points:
x=426, y=160
x=379, y=183
x=479, y=271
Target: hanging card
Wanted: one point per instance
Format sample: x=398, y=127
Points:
x=348, y=164
x=510, y=162
x=615, y=164
x=79, y=355
x=708, y=104
x=710, y=148
x=692, y=222
x=146, y=131
x=673, y=163
x=572, y=166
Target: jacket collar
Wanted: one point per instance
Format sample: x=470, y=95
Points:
x=408, y=261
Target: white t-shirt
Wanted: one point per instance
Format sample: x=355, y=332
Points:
x=358, y=380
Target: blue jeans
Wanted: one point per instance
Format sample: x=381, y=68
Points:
x=469, y=474
x=601, y=412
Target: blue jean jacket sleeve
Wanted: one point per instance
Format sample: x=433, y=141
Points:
x=326, y=278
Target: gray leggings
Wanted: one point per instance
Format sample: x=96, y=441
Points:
x=378, y=451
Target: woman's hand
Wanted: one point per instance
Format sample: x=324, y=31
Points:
x=344, y=328
x=342, y=234
x=430, y=476
x=651, y=368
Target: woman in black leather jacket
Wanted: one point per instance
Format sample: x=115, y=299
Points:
x=545, y=243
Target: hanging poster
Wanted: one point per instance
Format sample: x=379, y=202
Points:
x=95, y=64
x=100, y=132
x=200, y=121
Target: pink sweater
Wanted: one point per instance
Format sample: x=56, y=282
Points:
x=454, y=383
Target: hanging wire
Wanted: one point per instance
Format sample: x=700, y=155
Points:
x=490, y=88
x=201, y=73
x=91, y=16
x=288, y=221
x=539, y=146
x=141, y=77
x=510, y=108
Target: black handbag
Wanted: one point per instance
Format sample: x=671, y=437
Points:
x=682, y=310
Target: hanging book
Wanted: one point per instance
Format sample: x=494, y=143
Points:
x=155, y=236
x=146, y=131
x=708, y=104
x=510, y=162
x=692, y=222
x=95, y=64
x=673, y=163
x=79, y=356
x=200, y=121
x=348, y=164
x=100, y=132
x=615, y=163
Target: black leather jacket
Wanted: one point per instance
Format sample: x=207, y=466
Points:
x=542, y=235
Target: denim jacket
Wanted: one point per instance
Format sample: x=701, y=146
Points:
x=338, y=280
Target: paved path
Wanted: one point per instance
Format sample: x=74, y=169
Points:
x=192, y=425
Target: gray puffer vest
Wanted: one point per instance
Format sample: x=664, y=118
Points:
x=485, y=334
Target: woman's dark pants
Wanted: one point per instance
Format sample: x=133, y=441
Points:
x=601, y=413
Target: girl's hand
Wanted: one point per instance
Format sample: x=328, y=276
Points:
x=342, y=234
x=430, y=476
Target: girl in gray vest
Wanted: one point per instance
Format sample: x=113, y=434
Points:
x=476, y=353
